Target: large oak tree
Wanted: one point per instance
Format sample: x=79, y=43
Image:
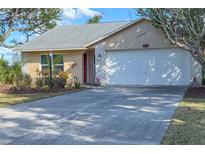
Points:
x=184, y=28
x=28, y=22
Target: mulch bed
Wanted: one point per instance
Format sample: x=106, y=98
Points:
x=7, y=89
x=195, y=92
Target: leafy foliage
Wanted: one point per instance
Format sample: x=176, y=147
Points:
x=9, y=72
x=203, y=78
x=95, y=19
x=12, y=74
x=4, y=71
x=183, y=27
x=22, y=81
x=76, y=83
x=45, y=82
x=39, y=82
x=27, y=21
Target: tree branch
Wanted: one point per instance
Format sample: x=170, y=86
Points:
x=7, y=46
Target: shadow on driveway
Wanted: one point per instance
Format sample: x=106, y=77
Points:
x=108, y=115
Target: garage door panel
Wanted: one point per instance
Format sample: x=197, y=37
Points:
x=173, y=67
x=119, y=72
x=147, y=67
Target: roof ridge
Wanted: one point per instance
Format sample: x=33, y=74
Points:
x=79, y=25
x=105, y=22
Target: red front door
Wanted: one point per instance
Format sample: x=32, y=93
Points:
x=85, y=67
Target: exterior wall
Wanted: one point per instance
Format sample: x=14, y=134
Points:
x=24, y=59
x=72, y=62
x=196, y=72
x=90, y=71
x=131, y=38
x=100, y=56
x=135, y=36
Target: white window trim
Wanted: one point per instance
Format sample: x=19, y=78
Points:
x=40, y=66
x=58, y=64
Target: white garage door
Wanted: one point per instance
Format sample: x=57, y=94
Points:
x=148, y=67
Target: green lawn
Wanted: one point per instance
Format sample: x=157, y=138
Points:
x=188, y=123
x=12, y=99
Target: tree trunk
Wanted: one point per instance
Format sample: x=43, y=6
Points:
x=199, y=58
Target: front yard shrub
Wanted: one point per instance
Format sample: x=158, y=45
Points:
x=9, y=72
x=15, y=69
x=76, y=83
x=203, y=78
x=64, y=75
x=5, y=76
x=22, y=81
x=58, y=81
x=61, y=79
x=39, y=82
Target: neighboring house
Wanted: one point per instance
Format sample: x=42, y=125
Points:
x=116, y=53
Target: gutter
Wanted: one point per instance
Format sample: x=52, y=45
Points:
x=33, y=50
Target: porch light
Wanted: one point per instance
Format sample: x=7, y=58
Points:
x=99, y=57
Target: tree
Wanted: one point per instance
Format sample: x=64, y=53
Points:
x=28, y=22
x=95, y=19
x=184, y=28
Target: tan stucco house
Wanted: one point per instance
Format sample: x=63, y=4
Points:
x=115, y=53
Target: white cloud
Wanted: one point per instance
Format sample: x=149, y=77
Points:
x=65, y=21
x=8, y=54
x=70, y=13
x=88, y=12
x=78, y=13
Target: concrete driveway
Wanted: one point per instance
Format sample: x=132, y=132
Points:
x=109, y=115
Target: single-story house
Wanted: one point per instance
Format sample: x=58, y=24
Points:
x=113, y=53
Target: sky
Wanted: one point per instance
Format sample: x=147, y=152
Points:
x=78, y=16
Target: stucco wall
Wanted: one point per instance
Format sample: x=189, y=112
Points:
x=24, y=59
x=196, y=72
x=32, y=62
x=100, y=56
x=135, y=36
x=90, y=71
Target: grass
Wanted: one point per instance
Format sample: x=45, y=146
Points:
x=188, y=124
x=12, y=99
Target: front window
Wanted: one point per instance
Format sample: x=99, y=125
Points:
x=45, y=64
x=56, y=61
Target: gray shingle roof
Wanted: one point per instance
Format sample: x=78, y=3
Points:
x=70, y=36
